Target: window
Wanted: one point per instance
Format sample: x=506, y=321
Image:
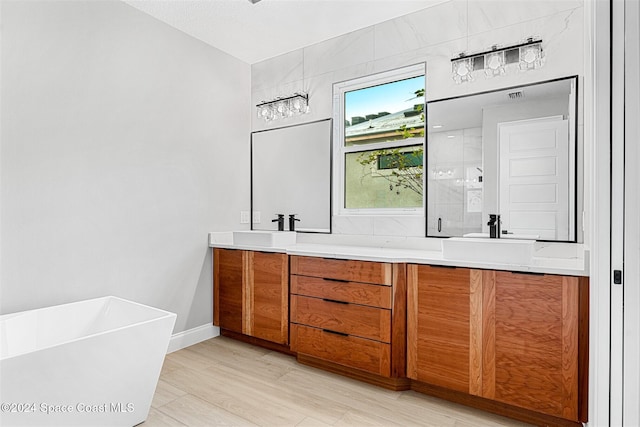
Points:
x=379, y=143
x=399, y=161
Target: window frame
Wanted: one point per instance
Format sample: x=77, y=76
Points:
x=341, y=150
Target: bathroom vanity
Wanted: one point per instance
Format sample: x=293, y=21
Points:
x=511, y=339
x=251, y=293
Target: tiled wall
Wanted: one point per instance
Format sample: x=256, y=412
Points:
x=434, y=36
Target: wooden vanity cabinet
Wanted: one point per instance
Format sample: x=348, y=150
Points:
x=228, y=285
x=439, y=326
x=251, y=293
x=532, y=342
x=349, y=317
x=514, y=338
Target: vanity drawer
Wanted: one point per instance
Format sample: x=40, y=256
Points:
x=342, y=269
x=358, y=320
x=353, y=292
x=347, y=350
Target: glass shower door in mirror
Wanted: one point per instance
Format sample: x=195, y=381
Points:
x=511, y=152
x=455, y=181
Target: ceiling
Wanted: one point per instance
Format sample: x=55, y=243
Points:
x=255, y=32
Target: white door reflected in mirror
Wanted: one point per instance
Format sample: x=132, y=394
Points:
x=512, y=152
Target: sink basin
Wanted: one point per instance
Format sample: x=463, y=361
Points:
x=503, y=251
x=264, y=238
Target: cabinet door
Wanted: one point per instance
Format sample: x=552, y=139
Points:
x=228, y=288
x=269, y=296
x=530, y=341
x=438, y=326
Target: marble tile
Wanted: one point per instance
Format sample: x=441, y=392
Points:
x=563, y=44
x=399, y=61
x=487, y=15
x=439, y=82
x=320, y=89
x=352, y=225
x=276, y=71
x=340, y=52
x=434, y=25
x=562, y=41
x=417, y=38
x=411, y=226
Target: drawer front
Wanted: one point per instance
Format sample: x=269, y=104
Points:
x=359, y=353
x=357, y=293
x=340, y=269
x=358, y=320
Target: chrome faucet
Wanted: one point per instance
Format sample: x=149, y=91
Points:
x=494, y=226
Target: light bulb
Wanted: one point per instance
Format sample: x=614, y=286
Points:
x=462, y=70
x=494, y=64
x=531, y=57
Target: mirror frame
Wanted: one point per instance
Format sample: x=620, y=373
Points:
x=330, y=172
x=578, y=148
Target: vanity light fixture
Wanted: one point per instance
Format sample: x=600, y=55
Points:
x=283, y=107
x=528, y=55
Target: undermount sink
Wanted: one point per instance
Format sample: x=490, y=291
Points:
x=264, y=238
x=504, y=251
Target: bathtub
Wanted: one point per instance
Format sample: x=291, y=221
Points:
x=89, y=363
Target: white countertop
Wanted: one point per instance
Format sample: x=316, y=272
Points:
x=550, y=258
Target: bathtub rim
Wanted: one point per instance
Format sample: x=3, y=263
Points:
x=163, y=314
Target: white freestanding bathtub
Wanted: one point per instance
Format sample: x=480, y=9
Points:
x=89, y=363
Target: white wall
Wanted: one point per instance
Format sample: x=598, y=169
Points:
x=434, y=36
x=119, y=138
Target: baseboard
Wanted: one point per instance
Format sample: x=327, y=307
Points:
x=192, y=336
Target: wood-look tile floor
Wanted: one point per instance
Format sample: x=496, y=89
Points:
x=224, y=382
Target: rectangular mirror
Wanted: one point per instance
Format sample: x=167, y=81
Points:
x=291, y=174
x=510, y=152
